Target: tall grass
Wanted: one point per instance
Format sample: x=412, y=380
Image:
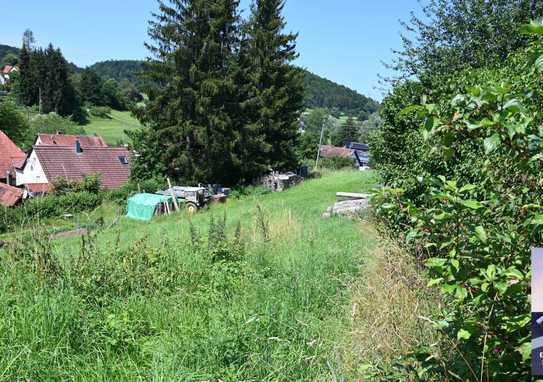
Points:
x=254, y=290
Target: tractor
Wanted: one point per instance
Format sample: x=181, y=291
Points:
x=194, y=198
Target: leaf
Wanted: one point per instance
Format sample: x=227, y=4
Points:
x=472, y=204
x=435, y=262
x=492, y=143
x=461, y=293
x=514, y=273
x=536, y=158
x=455, y=263
x=412, y=109
x=463, y=335
x=537, y=220
x=468, y=187
x=513, y=106
x=539, y=63
x=491, y=272
x=535, y=27
x=525, y=350
x=481, y=234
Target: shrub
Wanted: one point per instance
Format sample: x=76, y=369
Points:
x=50, y=206
x=100, y=111
x=337, y=163
x=469, y=205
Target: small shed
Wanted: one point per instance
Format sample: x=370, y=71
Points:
x=146, y=206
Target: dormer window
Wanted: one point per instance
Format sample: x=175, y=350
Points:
x=123, y=159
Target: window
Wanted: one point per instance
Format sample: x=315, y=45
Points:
x=123, y=159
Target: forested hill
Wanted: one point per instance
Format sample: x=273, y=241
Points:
x=319, y=92
x=6, y=49
x=119, y=70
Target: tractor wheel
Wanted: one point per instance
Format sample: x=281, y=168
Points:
x=192, y=208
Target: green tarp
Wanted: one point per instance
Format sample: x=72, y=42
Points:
x=143, y=206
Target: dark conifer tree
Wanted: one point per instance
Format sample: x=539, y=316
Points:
x=276, y=86
x=25, y=87
x=192, y=97
x=90, y=87
x=347, y=133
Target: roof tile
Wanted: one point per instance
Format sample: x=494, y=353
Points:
x=65, y=162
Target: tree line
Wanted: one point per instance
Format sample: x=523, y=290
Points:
x=224, y=98
x=46, y=80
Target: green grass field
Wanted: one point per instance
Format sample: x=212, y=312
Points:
x=263, y=297
x=112, y=129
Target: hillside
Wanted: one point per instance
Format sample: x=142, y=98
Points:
x=5, y=49
x=319, y=92
x=165, y=301
x=120, y=70
x=113, y=128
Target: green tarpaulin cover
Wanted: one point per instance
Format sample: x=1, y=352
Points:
x=143, y=206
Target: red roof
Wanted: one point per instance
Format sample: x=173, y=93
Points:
x=7, y=69
x=9, y=196
x=69, y=140
x=39, y=188
x=333, y=151
x=9, y=153
x=65, y=162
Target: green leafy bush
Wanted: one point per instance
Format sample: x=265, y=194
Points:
x=337, y=163
x=100, y=111
x=467, y=200
x=50, y=206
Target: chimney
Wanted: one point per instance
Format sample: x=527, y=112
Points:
x=78, y=148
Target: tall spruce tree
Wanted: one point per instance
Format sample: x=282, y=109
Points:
x=276, y=86
x=347, y=133
x=193, y=99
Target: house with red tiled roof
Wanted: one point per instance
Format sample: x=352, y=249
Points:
x=48, y=162
x=5, y=73
x=10, y=157
x=70, y=140
x=9, y=195
x=357, y=151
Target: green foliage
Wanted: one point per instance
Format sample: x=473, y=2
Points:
x=212, y=299
x=337, y=163
x=120, y=70
x=469, y=204
x=459, y=34
x=44, y=79
x=100, y=111
x=13, y=122
x=348, y=132
x=226, y=111
x=9, y=59
x=52, y=206
x=323, y=93
x=91, y=184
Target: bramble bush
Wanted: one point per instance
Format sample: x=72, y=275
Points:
x=471, y=207
x=50, y=206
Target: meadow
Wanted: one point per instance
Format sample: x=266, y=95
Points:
x=112, y=129
x=256, y=289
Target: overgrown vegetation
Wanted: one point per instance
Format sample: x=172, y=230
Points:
x=252, y=290
x=463, y=168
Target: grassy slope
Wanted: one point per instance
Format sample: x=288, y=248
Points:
x=112, y=129
x=277, y=315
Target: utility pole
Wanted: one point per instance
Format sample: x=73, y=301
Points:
x=40, y=100
x=319, y=149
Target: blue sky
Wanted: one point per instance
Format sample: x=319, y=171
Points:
x=343, y=40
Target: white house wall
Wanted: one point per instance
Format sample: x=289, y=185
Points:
x=32, y=172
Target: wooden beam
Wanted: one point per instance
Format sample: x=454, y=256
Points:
x=352, y=195
x=173, y=195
